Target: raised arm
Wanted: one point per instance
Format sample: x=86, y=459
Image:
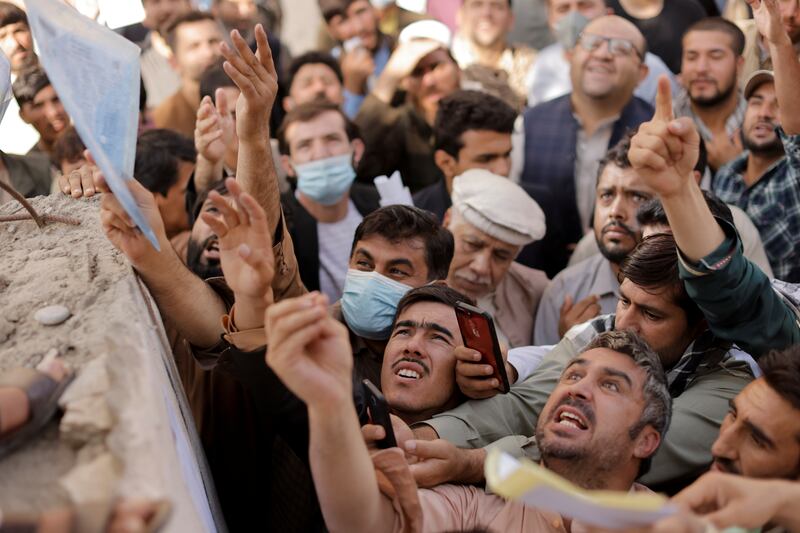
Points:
x=254, y=74
x=310, y=352
x=785, y=64
x=183, y=299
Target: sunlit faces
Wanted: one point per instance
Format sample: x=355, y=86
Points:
x=402, y=261
x=46, y=113
x=160, y=14
x=17, y=44
x=359, y=20
x=601, y=74
x=620, y=192
x=760, y=435
x=486, y=22
x=486, y=149
x=435, y=76
x=319, y=138
x=558, y=9
x=314, y=82
x=760, y=120
x=196, y=47
x=657, y=318
x=593, y=412
x=418, y=373
x=709, y=67
x=479, y=261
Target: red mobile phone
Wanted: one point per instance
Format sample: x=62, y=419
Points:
x=477, y=330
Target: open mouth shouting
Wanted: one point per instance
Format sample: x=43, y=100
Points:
x=573, y=417
x=211, y=249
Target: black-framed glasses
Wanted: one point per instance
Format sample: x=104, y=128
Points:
x=616, y=46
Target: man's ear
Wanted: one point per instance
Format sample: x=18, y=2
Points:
x=23, y=114
x=739, y=67
x=446, y=163
x=358, y=151
x=646, y=443
x=448, y=216
x=643, y=71
x=286, y=164
x=287, y=103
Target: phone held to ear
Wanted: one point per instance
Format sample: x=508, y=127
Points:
x=477, y=330
x=378, y=411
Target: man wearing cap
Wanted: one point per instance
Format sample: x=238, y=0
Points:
x=482, y=39
x=399, y=138
x=765, y=179
x=361, y=48
x=492, y=218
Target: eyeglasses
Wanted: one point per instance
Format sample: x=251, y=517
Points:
x=616, y=47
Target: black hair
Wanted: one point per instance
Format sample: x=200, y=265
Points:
x=158, y=153
x=28, y=84
x=617, y=155
x=213, y=78
x=68, y=147
x=201, y=198
x=397, y=223
x=11, y=14
x=308, y=112
x=782, y=372
x=653, y=267
x=312, y=58
x=437, y=292
x=719, y=24
x=186, y=18
x=651, y=213
x=464, y=111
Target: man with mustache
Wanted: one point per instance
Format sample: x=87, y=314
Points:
x=765, y=179
x=710, y=67
x=491, y=220
x=603, y=421
x=591, y=287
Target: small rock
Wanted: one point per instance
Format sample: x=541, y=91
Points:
x=52, y=315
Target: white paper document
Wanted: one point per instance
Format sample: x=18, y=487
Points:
x=96, y=75
x=5, y=84
x=533, y=485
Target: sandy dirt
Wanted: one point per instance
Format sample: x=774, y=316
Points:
x=116, y=346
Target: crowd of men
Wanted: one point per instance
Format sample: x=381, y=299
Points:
x=624, y=202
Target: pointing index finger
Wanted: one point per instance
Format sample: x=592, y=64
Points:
x=664, y=100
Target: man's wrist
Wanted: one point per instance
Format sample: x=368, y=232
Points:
x=156, y=264
x=249, y=312
x=472, y=469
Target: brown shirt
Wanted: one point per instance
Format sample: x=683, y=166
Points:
x=176, y=113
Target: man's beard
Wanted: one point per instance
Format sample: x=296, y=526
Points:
x=715, y=99
x=773, y=148
x=616, y=256
x=194, y=259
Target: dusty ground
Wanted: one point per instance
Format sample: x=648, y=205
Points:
x=115, y=438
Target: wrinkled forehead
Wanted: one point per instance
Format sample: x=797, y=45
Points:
x=616, y=27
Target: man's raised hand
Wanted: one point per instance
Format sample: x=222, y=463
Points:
x=310, y=351
x=215, y=128
x=767, y=16
x=245, y=249
x=255, y=75
x=665, y=150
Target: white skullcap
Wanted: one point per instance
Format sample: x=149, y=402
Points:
x=426, y=29
x=498, y=207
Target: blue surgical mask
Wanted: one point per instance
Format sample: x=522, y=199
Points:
x=369, y=303
x=326, y=180
x=569, y=28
